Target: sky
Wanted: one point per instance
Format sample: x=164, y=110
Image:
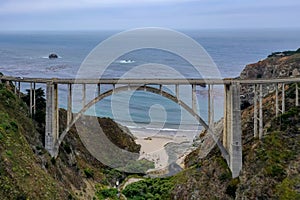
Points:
x=128, y=14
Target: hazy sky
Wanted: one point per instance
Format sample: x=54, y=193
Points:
x=126, y=14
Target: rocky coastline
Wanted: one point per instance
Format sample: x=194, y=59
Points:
x=277, y=65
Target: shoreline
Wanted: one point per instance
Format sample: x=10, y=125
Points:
x=158, y=149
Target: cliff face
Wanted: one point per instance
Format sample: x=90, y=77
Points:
x=277, y=65
x=273, y=67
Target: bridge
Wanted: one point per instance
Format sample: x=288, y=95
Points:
x=231, y=145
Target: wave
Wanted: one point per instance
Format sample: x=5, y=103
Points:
x=47, y=57
x=126, y=61
x=162, y=129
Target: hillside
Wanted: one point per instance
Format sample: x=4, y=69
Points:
x=271, y=166
x=22, y=175
x=28, y=172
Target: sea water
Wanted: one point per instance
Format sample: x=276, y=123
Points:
x=25, y=54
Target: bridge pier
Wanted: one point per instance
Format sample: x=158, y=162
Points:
x=30, y=99
x=34, y=99
x=283, y=98
x=297, y=95
x=69, y=110
x=15, y=88
x=52, y=119
x=232, y=136
x=261, y=125
x=255, y=111
x=83, y=95
x=276, y=100
x=194, y=98
x=258, y=110
x=211, y=106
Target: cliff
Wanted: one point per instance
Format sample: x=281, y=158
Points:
x=28, y=172
x=277, y=65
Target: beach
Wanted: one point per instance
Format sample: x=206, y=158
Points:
x=163, y=148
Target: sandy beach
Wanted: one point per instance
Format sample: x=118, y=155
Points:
x=158, y=148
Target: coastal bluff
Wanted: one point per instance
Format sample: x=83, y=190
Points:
x=276, y=65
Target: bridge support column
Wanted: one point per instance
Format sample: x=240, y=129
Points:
x=52, y=120
x=177, y=91
x=297, y=95
x=34, y=99
x=15, y=89
x=98, y=89
x=260, y=131
x=255, y=111
x=69, y=111
x=19, y=88
x=30, y=100
x=283, y=99
x=211, y=105
x=276, y=100
x=83, y=95
x=232, y=136
x=194, y=97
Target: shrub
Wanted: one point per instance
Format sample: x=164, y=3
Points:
x=156, y=188
x=53, y=161
x=232, y=186
x=88, y=173
x=67, y=148
x=111, y=193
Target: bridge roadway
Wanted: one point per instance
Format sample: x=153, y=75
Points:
x=188, y=81
x=231, y=146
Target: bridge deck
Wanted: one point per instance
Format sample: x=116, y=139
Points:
x=151, y=81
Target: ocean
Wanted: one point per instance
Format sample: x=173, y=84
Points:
x=25, y=54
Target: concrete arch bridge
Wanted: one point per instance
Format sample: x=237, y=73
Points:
x=231, y=145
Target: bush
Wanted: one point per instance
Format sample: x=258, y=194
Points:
x=111, y=193
x=156, y=188
x=53, y=161
x=67, y=148
x=88, y=173
x=287, y=189
x=232, y=186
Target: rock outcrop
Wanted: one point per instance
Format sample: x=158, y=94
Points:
x=53, y=56
x=275, y=66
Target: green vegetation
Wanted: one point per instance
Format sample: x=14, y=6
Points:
x=284, y=53
x=155, y=188
x=40, y=104
x=286, y=190
x=273, y=159
x=106, y=193
x=140, y=166
x=28, y=172
x=88, y=173
x=20, y=175
x=40, y=114
x=232, y=186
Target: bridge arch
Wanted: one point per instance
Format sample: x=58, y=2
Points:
x=136, y=88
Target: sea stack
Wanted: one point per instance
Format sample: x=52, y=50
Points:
x=53, y=56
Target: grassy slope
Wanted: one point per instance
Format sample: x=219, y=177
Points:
x=27, y=171
x=271, y=167
x=21, y=176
